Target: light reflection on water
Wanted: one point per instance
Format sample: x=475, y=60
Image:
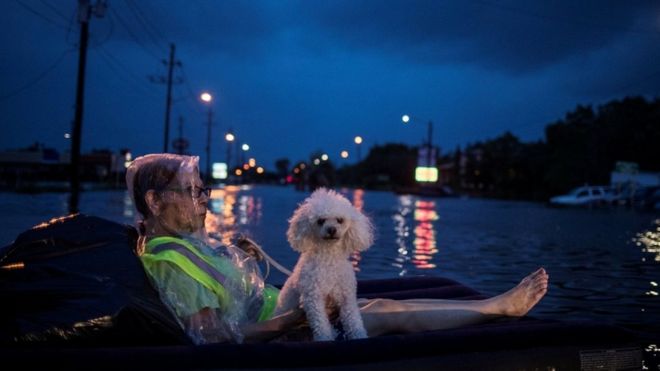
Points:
x=425, y=242
x=424, y=217
x=650, y=240
x=229, y=209
x=357, y=201
x=650, y=243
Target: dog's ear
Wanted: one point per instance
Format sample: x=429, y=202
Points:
x=360, y=235
x=300, y=230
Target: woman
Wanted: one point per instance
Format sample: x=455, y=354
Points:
x=217, y=294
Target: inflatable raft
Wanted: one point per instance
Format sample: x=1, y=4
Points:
x=74, y=295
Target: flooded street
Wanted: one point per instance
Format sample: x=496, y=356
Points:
x=604, y=265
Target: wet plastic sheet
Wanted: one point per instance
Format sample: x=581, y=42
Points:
x=211, y=289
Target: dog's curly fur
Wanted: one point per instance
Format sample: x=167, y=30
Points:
x=326, y=229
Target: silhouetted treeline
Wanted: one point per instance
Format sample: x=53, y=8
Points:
x=385, y=166
x=582, y=148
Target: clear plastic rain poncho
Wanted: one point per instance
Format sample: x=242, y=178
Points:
x=212, y=289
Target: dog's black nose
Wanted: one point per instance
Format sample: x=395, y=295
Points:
x=332, y=231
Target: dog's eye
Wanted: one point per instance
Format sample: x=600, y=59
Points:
x=340, y=220
x=320, y=221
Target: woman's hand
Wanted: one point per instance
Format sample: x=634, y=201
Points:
x=250, y=247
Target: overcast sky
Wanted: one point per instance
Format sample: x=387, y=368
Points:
x=293, y=77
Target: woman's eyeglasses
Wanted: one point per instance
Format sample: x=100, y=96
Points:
x=194, y=191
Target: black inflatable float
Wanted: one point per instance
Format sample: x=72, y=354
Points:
x=73, y=294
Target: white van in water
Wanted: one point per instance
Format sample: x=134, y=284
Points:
x=585, y=196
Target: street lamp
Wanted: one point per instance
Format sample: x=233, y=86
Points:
x=358, y=141
x=207, y=98
x=245, y=147
x=429, y=145
x=229, y=137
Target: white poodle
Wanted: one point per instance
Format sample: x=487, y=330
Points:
x=326, y=229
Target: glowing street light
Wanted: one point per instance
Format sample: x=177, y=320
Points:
x=344, y=154
x=207, y=98
x=358, y=141
x=430, y=165
x=229, y=137
x=245, y=147
x=324, y=157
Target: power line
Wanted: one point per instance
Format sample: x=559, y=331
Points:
x=133, y=36
x=191, y=93
x=146, y=25
x=115, y=64
x=54, y=9
x=39, y=77
x=107, y=37
x=40, y=15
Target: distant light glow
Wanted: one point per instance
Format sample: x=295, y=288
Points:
x=317, y=161
x=344, y=154
x=246, y=167
x=260, y=170
x=238, y=172
x=229, y=137
x=302, y=166
x=324, y=157
x=67, y=136
x=426, y=174
x=219, y=170
x=206, y=97
x=358, y=139
x=405, y=119
x=252, y=162
x=245, y=147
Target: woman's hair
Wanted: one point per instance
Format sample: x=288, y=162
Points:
x=154, y=172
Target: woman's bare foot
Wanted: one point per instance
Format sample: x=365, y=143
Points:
x=522, y=298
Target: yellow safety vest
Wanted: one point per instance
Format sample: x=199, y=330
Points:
x=212, y=273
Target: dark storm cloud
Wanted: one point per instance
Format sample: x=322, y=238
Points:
x=313, y=73
x=515, y=36
x=228, y=27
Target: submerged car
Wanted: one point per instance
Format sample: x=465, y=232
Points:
x=585, y=196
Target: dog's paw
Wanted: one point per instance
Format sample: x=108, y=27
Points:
x=323, y=338
x=357, y=334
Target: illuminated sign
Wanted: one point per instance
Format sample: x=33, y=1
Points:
x=219, y=170
x=426, y=174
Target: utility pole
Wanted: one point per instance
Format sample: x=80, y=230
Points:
x=430, y=158
x=171, y=63
x=168, y=104
x=208, y=147
x=181, y=134
x=85, y=10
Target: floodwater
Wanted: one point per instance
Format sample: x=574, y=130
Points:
x=604, y=265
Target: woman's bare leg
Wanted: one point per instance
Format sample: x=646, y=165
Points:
x=385, y=316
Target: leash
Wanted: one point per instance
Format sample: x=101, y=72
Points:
x=269, y=260
x=246, y=244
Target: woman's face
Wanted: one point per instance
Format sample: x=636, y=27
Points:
x=184, y=203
